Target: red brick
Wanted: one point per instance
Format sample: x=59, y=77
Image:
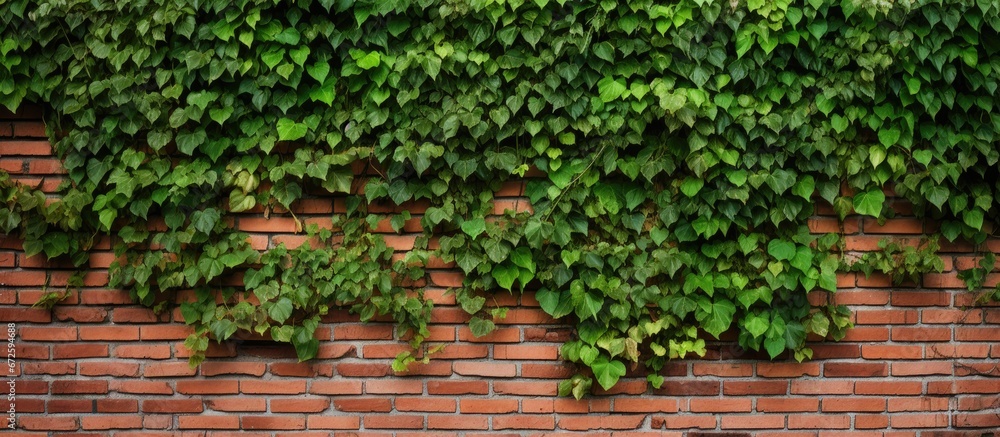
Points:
x=368, y=370
x=214, y=368
x=142, y=387
x=488, y=406
x=136, y=315
x=645, y=405
x=32, y=352
x=722, y=369
x=547, y=371
x=48, y=423
x=990, y=334
x=965, y=386
x=110, y=422
x=299, y=405
x=903, y=368
x=117, y=406
x=819, y=421
x=151, y=406
x=49, y=368
x=47, y=333
x=524, y=421
x=867, y=334
x=363, y=405
x=912, y=404
x=394, y=386
x=822, y=387
x=32, y=315
x=950, y=316
x=168, y=370
x=394, y=421
x=490, y=369
x=853, y=404
x=525, y=388
x=888, y=387
x=109, y=333
x=273, y=422
x=743, y=388
x=756, y=422
x=861, y=297
x=208, y=386
x=334, y=422
x=684, y=422
x=80, y=315
x=787, y=405
x=983, y=420
x=463, y=422
x=337, y=387
x=237, y=404
x=250, y=386
x=426, y=404
x=71, y=406
x=922, y=420
x=204, y=421
x=500, y=335
x=939, y=280
x=79, y=387
x=879, y=352
x=105, y=297
x=585, y=423
x=966, y=350
x=363, y=332
x=690, y=388
x=109, y=368
x=886, y=317
x=457, y=387
x=787, y=370
x=302, y=370
x=871, y=421
x=863, y=370
x=143, y=351
x=525, y=352
x=25, y=148
x=29, y=129
x=165, y=332
x=717, y=405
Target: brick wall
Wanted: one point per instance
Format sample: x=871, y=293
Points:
x=921, y=360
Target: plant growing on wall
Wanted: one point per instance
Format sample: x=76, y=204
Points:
x=681, y=148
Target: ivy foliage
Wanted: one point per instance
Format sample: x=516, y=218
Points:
x=680, y=148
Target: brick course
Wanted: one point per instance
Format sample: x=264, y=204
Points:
x=920, y=362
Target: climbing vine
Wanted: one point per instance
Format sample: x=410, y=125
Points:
x=673, y=152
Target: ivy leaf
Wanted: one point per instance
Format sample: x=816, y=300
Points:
x=281, y=310
x=869, y=202
x=319, y=71
x=587, y=305
x=774, y=345
x=756, y=325
x=610, y=89
x=505, y=275
x=188, y=141
x=480, y=326
x=715, y=316
x=607, y=372
x=973, y=218
x=204, y=221
x=557, y=304
x=781, y=250
x=937, y=195
x=289, y=130
x=474, y=227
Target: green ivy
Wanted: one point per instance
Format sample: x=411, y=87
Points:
x=675, y=152
x=901, y=261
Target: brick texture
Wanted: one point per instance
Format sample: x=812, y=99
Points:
x=921, y=361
